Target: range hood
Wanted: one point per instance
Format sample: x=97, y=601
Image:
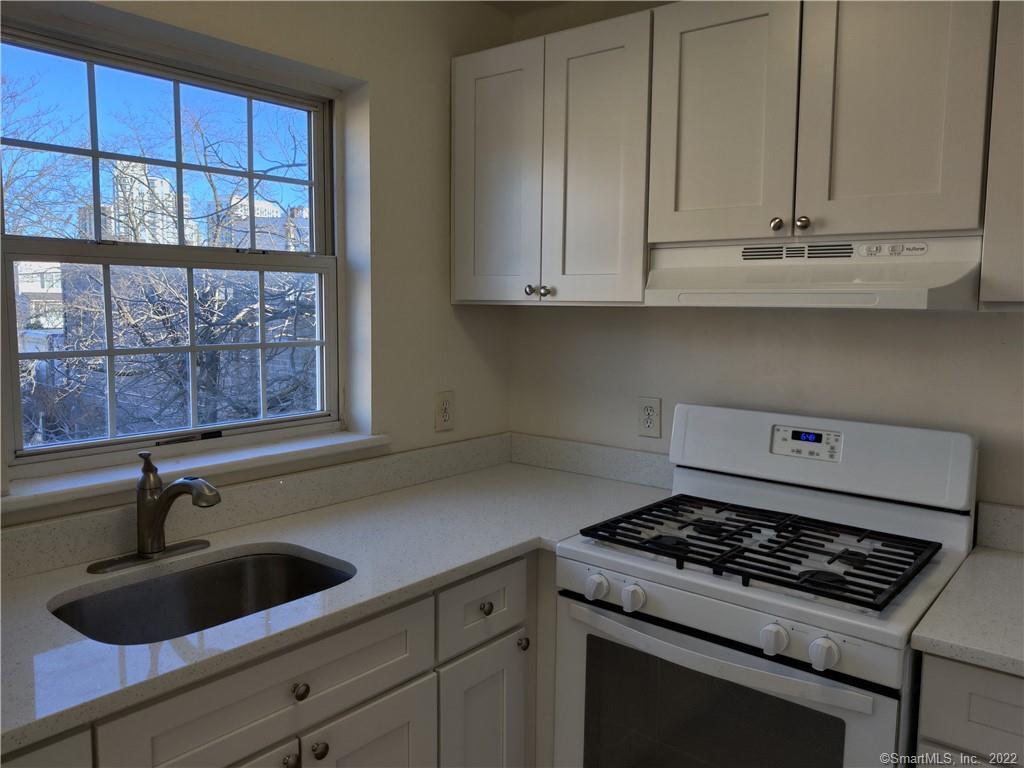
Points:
x=921, y=273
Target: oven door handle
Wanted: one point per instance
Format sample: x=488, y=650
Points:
x=769, y=682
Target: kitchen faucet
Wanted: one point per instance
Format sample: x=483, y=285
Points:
x=152, y=503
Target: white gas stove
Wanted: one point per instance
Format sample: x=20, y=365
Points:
x=805, y=549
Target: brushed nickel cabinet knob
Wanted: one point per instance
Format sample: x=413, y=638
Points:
x=290, y=761
x=320, y=750
x=487, y=608
x=802, y=222
x=545, y=291
x=529, y=290
x=300, y=691
x=776, y=224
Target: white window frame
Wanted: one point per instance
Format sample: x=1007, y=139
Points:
x=321, y=260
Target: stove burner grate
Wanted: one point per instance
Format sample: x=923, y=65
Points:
x=853, y=565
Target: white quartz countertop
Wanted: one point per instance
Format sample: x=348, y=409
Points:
x=404, y=543
x=979, y=618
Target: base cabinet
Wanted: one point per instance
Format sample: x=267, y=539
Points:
x=398, y=730
x=482, y=705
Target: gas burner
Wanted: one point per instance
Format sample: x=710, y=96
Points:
x=869, y=568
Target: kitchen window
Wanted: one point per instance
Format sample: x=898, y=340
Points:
x=167, y=255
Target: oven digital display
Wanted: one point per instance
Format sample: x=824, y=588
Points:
x=807, y=437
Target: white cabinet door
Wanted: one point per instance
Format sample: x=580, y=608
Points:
x=595, y=160
x=892, y=116
x=398, y=730
x=1002, y=260
x=483, y=706
x=282, y=756
x=497, y=140
x=723, y=120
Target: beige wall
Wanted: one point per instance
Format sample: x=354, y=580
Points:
x=577, y=372
x=421, y=344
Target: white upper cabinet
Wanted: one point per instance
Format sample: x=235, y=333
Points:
x=723, y=120
x=892, y=116
x=1002, y=260
x=595, y=160
x=497, y=135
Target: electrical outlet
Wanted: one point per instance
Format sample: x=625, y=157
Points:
x=649, y=412
x=444, y=411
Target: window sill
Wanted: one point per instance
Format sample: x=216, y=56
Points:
x=59, y=494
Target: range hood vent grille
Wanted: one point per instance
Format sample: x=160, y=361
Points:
x=761, y=252
x=829, y=250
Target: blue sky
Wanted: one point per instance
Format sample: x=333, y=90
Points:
x=135, y=114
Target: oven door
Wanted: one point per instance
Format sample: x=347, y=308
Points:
x=632, y=693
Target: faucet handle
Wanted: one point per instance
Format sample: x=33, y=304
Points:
x=150, y=480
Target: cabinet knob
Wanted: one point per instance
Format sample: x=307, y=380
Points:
x=300, y=691
x=523, y=643
x=776, y=224
x=290, y=761
x=529, y=290
x=802, y=222
x=320, y=750
x=487, y=608
x=545, y=291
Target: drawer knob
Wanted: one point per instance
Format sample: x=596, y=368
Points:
x=320, y=750
x=487, y=608
x=529, y=290
x=290, y=761
x=523, y=643
x=300, y=691
x=802, y=222
x=776, y=224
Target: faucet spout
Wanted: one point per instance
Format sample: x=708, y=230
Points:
x=203, y=493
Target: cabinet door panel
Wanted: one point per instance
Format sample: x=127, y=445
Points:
x=892, y=116
x=723, y=119
x=398, y=730
x=497, y=140
x=1002, y=261
x=595, y=160
x=483, y=706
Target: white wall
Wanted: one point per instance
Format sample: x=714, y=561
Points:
x=577, y=372
x=420, y=343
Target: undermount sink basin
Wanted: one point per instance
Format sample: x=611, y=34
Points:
x=197, y=598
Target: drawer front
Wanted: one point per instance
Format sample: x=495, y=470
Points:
x=222, y=722
x=483, y=607
x=974, y=709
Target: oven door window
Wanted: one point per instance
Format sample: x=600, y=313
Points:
x=643, y=711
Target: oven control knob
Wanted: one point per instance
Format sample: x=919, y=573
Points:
x=824, y=654
x=774, y=639
x=633, y=598
x=597, y=587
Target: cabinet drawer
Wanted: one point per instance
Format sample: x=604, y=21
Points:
x=481, y=608
x=224, y=721
x=971, y=708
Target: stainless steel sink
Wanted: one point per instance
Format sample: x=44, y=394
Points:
x=187, y=601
